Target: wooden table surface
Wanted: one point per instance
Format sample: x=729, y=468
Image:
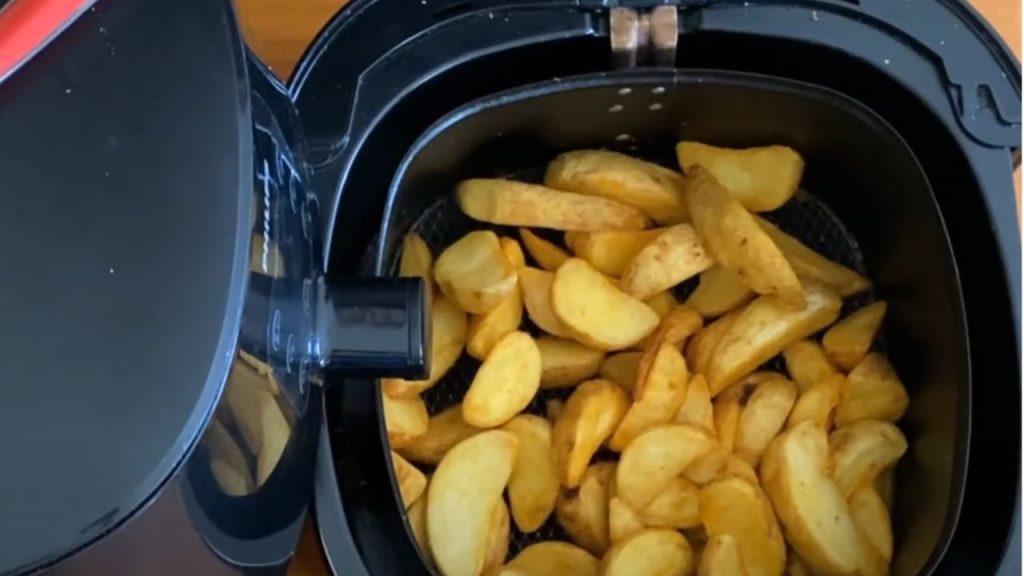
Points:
x=280, y=30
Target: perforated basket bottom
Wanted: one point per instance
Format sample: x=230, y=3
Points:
x=804, y=217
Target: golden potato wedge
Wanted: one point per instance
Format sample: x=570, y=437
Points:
x=720, y=291
x=701, y=347
x=611, y=251
x=447, y=338
x=513, y=252
x=678, y=507
x=654, y=458
x=885, y=485
x=595, y=311
x=485, y=330
x=566, y=362
x=763, y=329
x=416, y=260
x=519, y=204
x=872, y=391
x=675, y=256
x=733, y=238
x=761, y=178
x=536, y=287
x=796, y=566
x=553, y=409
x=676, y=326
x=547, y=255
x=621, y=369
x=653, y=552
x=663, y=303
x=810, y=265
x=721, y=557
x=807, y=364
x=762, y=418
x=623, y=521
x=660, y=390
x=863, y=449
x=591, y=414
x=871, y=516
x=708, y=467
x=417, y=518
x=464, y=490
x=728, y=409
x=497, y=538
x=849, y=340
x=816, y=517
x=551, y=558
x=659, y=192
x=583, y=512
x=817, y=403
x=404, y=418
x=444, y=430
x=740, y=509
x=411, y=482
x=474, y=273
x=533, y=486
x=696, y=408
x=505, y=383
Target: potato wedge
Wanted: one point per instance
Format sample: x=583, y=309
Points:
x=411, y=482
x=871, y=516
x=740, y=509
x=660, y=390
x=708, y=467
x=591, y=415
x=485, y=330
x=595, y=311
x=464, y=490
x=659, y=192
x=444, y=430
x=816, y=517
x=417, y=518
x=807, y=364
x=663, y=303
x=474, y=273
x=810, y=265
x=817, y=403
x=676, y=326
x=678, y=507
x=551, y=558
x=728, y=410
x=763, y=329
x=447, y=338
x=583, y=512
x=675, y=256
x=720, y=291
x=623, y=521
x=611, y=251
x=653, y=459
x=763, y=416
x=885, y=485
x=872, y=391
x=696, y=408
x=721, y=557
x=761, y=178
x=547, y=255
x=553, y=409
x=416, y=260
x=536, y=287
x=511, y=203
x=497, y=537
x=863, y=449
x=621, y=369
x=513, y=252
x=733, y=238
x=404, y=418
x=701, y=347
x=505, y=383
x=849, y=340
x=566, y=362
x=653, y=552
x=796, y=566
x=533, y=486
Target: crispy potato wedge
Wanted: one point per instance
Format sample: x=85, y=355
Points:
x=536, y=287
x=591, y=415
x=736, y=507
x=721, y=557
x=675, y=256
x=444, y=430
x=849, y=340
x=511, y=203
x=553, y=409
x=497, y=537
x=720, y=291
x=763, y=329
x=763, y=417
x=817, y=403
x=416, y=260
x=676, y=326
x=660, y=390
x=816, y=517
x=464, y=490
x=872, y=391
x=663, y=303
x=863, y=449
x=653, y=552
x=659, y=192
x=871, y=516
x=654, y=458
x=708, y=467
x=807, y=364
x=701, y=347
x=417, y=518
x=810, y=265
x=566, y=362
x=533, y=486
x=404, y=418
x=595, y=311
x=485, y=330
x=678, y=507
x=761, y=178
x=547, y=255
x=551, y=558
x=696, y=408
x=611, y=251
x=474, y=273
x=447, y=338
x=621, y=369
x=513, y=252
x=623, y=521
x=505, y=383
x=733, y=238
x=583, y=512
x=411, y=482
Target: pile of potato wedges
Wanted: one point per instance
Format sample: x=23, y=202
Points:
x=673, y=451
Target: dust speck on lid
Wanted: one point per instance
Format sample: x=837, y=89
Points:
x=814, y=15
x=654, y=107
x=624, y=138
x=625, y=91
x=490, y=15
x=67, y=90
x=111, y=271
x=942, y=42
x=658, y=90
x=887, y=61
x=615, y=108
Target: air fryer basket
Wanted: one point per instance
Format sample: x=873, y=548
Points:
x=867, y=205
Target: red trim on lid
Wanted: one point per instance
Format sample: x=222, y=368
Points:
x=27, y=25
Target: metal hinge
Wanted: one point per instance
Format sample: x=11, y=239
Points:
x=642, y=37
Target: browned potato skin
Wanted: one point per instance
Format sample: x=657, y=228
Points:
x=720, y=291
x=762, y=178
x=764, y=415
x=590, y=416
x=701, y=347
x=675, y=256
x=610, y=251
x=583, y=513
x=621, y=369
x=872, y=391
x=660, y=390
x=817, y=404
x=566, y=362
x=653, y=459
x=444, y=430
x=849, y=340
x=808, y=264
x=739, y=508
x=862, y=450
x=807, y=364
